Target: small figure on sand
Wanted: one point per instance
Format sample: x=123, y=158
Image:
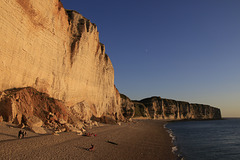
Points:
x=91, y=148
x=90, y=134
x=21, y=134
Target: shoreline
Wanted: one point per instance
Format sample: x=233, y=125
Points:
x=175, y=149
x=141, y=139
x=201, y=139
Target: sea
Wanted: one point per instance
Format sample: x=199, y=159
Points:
x=206, y=140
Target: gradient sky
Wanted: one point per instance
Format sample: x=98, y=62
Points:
x=186, y=50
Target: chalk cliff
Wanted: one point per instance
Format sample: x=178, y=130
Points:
x=159, y=108
x=133, y=108
x=57, y=52
x=54, y=71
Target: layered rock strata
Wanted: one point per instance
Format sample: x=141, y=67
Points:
x=57, y=52
x=159, y=108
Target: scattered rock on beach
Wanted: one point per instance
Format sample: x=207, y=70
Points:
x=35, y=124
x=39, y=130
x=18, y=118
x=22, y=125
x=83, y=130
x=70, y=127
x=55, y=134
x=95, y=123
x=79, y=133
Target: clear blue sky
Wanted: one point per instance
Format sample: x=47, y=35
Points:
x=179, y=49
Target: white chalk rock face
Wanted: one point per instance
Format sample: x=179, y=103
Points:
x=57, y=52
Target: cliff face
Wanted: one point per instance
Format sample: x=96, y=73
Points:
x=56, y=52
x=170, y=109
x=158, y=108
x=128, y=109
x=132, y=109
x=52, y=64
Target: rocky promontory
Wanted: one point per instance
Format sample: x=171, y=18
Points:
x=160, y=108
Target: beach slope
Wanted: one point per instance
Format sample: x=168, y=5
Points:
x=142, y=139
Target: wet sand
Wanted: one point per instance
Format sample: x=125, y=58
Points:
x=144, y=139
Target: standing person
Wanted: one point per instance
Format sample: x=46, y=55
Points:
x=20, y=134
x=24, y=133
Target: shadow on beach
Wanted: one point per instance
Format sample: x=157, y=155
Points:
x=83, y=148
x=17, y=139
x=111, y=142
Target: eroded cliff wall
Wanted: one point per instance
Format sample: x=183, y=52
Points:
x=159, y=108
x=132, y=109
x=58, y=52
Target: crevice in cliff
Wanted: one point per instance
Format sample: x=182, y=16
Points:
x=87, y=25
x=60, y=5
x=102, y=48
x=106, y=58
x=76, y=29
x=78, y=24
x=74, y=48
x=102, y=53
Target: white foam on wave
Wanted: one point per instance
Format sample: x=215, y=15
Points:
x=164, y=126
x=174, y=149
x=171, y=135
x=170, y=132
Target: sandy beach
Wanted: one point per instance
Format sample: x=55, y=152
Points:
x=144, y=139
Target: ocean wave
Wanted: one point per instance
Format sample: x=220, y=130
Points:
x=171, y=135
x=164, y=126
x=174, y=148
